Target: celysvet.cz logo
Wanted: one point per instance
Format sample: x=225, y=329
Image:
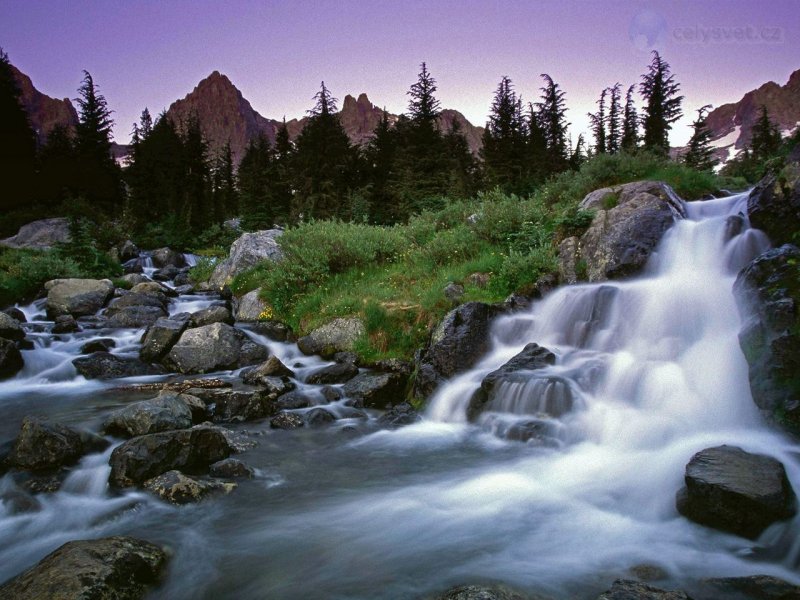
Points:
x=745, y=34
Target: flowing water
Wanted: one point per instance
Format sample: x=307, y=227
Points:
x=648, y=372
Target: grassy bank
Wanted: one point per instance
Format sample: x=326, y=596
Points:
x=492, y=245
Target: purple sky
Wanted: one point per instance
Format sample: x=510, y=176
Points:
x=150, y=53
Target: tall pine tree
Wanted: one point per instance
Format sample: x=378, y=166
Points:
x=504, y=144
x=598, y=123
x=630, y=123
x=614, y=141
x=699, y=152
x=766, y=138
x=552, y=117
x=662, y=104
x=254, y=185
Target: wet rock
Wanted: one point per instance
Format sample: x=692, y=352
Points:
x=481, y=592
x=272, y=367
x=626, y=589
x=177, y=488
x=246, y=252
x=134, y=279
x=376, y=390
x=274, y=330
x=734, y=225
x=347, y=357
x=243, y=406
x=77, y=297
x=293, y=400
x=128, y=299
x=18, y=502
x=188, y=450
x=40, y=235
x=98, y=345
x=11, y=361
x=518, y=371
x=183, y=289
x=337, y=336
x=149, y=416
x=210, y=348
x=103, y=365
x=397, y=416
x=648, y=572
x=128, y=251
x=454, y=291
x=10, y=328
x=43, y=483
x=197, y=407
x=630, y=221
x=65, y=324
x=44, y=446
x=767, y=293
x=735, y=491
x=392, y=365
x=335, y=373
x=210, y=315
x=121, y=568
x=160, y=337
x=331, y=394
x=286, y=420
x=182, y=280
x=15, y=314
x=249, y=308
x=457, y=343
x=135, y=317
x=317, y=417
x=231, y=468
x=167, y=273
x=155, y=288
x=167, y=256
x=754, y=587
x=774, y=205
x=251, y=353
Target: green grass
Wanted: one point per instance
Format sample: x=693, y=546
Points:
x=24, y=272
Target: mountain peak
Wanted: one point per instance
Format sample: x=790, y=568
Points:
x=44, y=112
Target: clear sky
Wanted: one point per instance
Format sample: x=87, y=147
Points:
x=152, y=52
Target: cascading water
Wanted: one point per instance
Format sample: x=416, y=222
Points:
x=647, y=372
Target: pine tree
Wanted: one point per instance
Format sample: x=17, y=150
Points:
x=423, y=107
x=255, y=199
x=535, y=148
x=18, y=147
x=766, y=138
x=226, y=201
x=630, y=123
x=552, y=117
x=325, y=163
x=280, y=180
x=198, y=212
x=578, y=155
x=662, y=104
x=699, y=153
x=598, y=122
x=614, y=121
x=503, y=150
x=462, y=163
x=380, y=155
x=58, y=168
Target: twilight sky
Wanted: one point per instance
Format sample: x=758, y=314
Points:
x=152, y=52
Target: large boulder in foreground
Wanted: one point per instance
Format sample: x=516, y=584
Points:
x=767, y=293
x=629, y=222
x=11, y=361
x=160, y=337
x=337, y=336
x=40, y=235
x=774, y=205
x=752, y=587
x=43, y=446
x=10, y=328
x=735, y=491
x=212, y=348
x=457, y=343
x=188, y=450
x=120, y=568
x=162, y=413
x=246, y=252
x=77, y=297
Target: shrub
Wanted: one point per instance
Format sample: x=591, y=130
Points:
x=24, y=272
x=203, y=269
x=520, y=271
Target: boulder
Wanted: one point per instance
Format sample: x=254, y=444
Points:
x=127, y=251
x=197, y=407
x=774, y=205
x=251, y=353
x=317, y=417
x=231, y=468
x=336, y=336
x=167, y=273
x=65, y=324
x=160, y=337
x=549, y=400
x=767, y=293
x=210, y=315
x=754, y=587
x=209, y=348
x=153, y=287
x=128, y=299
x=286, y=420
x=98, y=345
x=397, y=416
x=629, y=223
x=10, y=329
x=11, y=361
x=249, y=307
x=121, y=568
x=134, y=317
x=246, y=252
x=134, y=279
x=735, y=491
x=44, y=446
x=188, y=450
x=274, y=330
x=627, y=589
x=183, y=289
x=40, y=235
x=272, y=367
x=167, y=256
x=482, y=592
x=77, y=297
x=453, y=292
x=162, y=413
x=15, y=314
x=177, y=488
x=293, y=400
x=457, y=343
x=103, y=365
x=242, y=406
x=376, y=390
x=335, y=373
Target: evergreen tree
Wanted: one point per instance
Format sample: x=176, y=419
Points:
x=578, y=155
x=598, y=122
x=614, y=121
x=536, y=148
x=423, y=107
x=325, y=163
x=766, y=138
x=630, y=123
x=254, y=186
x=379, y=157
x=662, y=104
x=58, y=168
x=462, y=163
x=280, y=178
x=504, y=144
x=552, y=117
x=18, y=148
x=226, y=202
x=699, y=153
x=197, y=212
